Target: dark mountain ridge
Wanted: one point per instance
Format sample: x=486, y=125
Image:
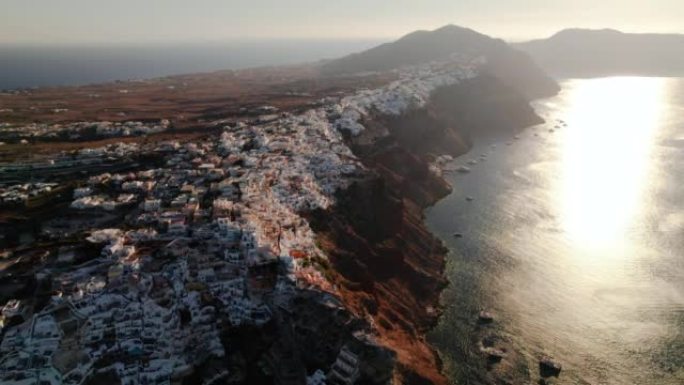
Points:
x=607, y=52
x=511, y=66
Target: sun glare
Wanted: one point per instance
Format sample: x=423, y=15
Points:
x=606, y=157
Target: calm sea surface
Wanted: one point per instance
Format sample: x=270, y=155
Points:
x=574, y=241
x=24, y=67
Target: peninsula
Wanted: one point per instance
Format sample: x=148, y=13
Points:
x=249, y=227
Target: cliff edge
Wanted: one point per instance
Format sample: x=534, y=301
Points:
x=389, y=267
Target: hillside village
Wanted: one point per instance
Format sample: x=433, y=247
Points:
x=23, y=133
x=213, y=237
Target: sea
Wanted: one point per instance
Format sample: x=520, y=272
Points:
x=573, y=240
x=42, y=66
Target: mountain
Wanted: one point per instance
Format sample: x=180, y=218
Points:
x=509, y=65
x=605, y=52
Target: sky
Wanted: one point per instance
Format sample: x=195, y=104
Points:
x=56, y=22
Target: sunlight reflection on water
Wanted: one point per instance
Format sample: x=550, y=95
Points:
x=576, y=238
x=606, y=157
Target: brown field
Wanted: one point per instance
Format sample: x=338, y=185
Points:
x=19, y=152
x=184, y=99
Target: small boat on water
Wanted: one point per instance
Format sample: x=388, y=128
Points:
x=494, y=354
x=458, y=235
x=463, y=169
x=485, y=317
x=469, y=198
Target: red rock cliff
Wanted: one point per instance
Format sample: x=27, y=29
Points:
x=388, y=266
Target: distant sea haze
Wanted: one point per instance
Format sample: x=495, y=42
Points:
x=26, y=67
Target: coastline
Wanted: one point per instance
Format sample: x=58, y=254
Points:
x=519, y=279
x=389, y=268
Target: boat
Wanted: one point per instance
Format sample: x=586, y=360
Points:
x=485, y=317
x=494, y=354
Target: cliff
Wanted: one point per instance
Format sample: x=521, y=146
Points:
x=388, y=267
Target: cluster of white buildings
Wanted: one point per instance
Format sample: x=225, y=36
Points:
x=27, y=352
x=215, y=238
x=118, y=149
x=412, y=90
x=20, y=193
x=91, y=202
x=84, y=130
x=70, y=161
